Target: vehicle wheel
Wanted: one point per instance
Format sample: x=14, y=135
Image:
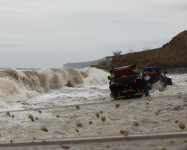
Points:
x=114, y=91
x=148, y=78
x=146, y=92
x=168, y=81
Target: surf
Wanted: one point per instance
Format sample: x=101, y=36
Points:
x=21, y=85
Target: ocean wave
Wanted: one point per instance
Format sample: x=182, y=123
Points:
x=22, y=85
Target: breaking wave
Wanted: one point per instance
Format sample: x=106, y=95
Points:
x=22, y=85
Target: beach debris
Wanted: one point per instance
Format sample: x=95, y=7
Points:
x=77, y=107
x=76, y=130
x=121, y=131
x=57, y=116
x=117, y=105
x=135, y=123
x=8, y=114
x=172, y=142
x=90, y=122
x=40, y=111
x=36, y=118
x=97, y=115
x=64, y=146
x=182, y=126
x=44, y=129
x=125, y=133
x=30, y=116
x=103, y=118
x=79, y=124
x=107, y=146
x=101, y=112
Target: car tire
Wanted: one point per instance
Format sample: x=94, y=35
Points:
x=148, y=78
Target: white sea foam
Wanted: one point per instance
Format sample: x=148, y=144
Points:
x=22, y=85
x=179, y=86
x=95, y=76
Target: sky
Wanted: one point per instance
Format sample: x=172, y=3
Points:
x=50, y=33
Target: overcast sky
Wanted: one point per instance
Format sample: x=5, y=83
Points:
x=50, y=33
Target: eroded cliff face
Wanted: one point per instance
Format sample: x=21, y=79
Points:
x=170, y=55
x=174, y=53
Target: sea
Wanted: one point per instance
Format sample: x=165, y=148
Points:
x=25, y=84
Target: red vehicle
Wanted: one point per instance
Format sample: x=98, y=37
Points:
x=122, y=71
x=154, y=74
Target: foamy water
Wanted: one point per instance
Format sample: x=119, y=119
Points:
x=179, y=86
x=24, y=85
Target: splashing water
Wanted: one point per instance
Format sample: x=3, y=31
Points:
x=23, y=85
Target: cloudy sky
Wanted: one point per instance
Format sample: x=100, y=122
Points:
x=50, y=33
